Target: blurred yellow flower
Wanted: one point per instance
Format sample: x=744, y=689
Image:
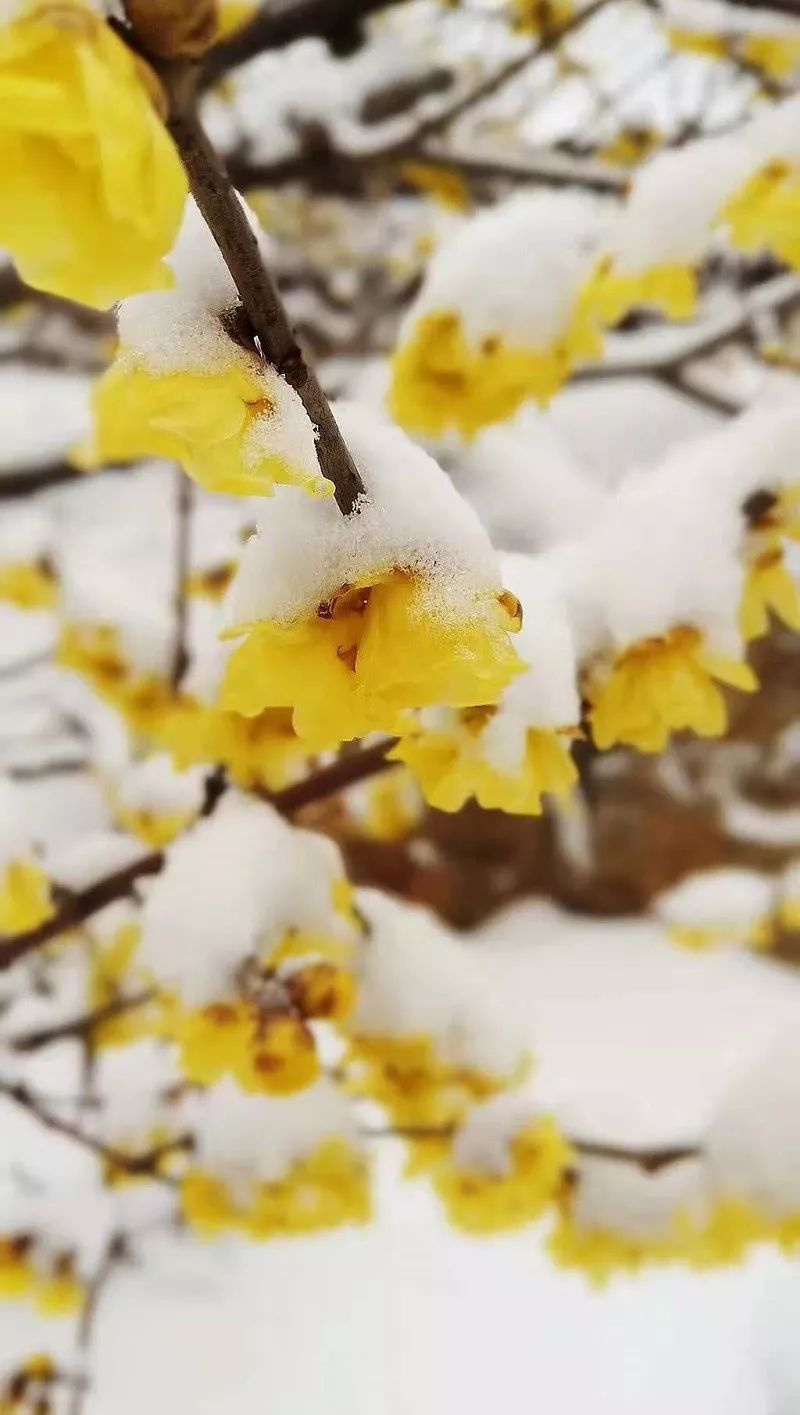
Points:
x=450, y=768
x=441, y=380
x=93, y=190
x=24, y=897
x=663, y=685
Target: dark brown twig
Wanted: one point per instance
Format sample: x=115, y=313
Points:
x=226, y=219
x=183, y=517
x=341, y=774
x=77, y=1027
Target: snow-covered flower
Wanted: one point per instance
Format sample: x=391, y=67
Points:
x=712, y=907
x=25, y=898
x=352, y=621
x=84, y=154
x=509, y=755
x=187, y=384
x=269, y=1167
x=425, y=1040
x=154, y=801
x=245, y=933
x=501, y=317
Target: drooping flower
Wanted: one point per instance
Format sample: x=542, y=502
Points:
x=510, y=755
x=271, y=1168
x=237, y=1001
x=471, y=350
x=25, y=900
x=663, y=685
x=352, y=622
x=93, y=188
x=189, y=383
x=508, y=1192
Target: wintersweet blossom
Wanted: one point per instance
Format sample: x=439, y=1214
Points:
x=234, y=934
x=25, y=900
x=85, y=155
x=424, y=1041
x=663, y=685
x=496, y=1193
x=351, y=622
x=188, y=384
x=472, y=350
x=510, y=755
x=770, y=588
x=270, y=1168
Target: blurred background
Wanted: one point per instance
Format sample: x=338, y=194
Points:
x=362, y=134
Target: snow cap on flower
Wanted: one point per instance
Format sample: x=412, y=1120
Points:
x=615, y=1196
x=232, y=887
x=499, y=318
x=189, y=383
x=78, y=864
x=722, y=905
x=753, y=1141
x=248, y=1140
x=352, y=621
x=417, y=979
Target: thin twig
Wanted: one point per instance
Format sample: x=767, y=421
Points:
x=341, y=774
x=284, y=21
x=79, y=907
x=116, y=1252
x=227, y=221
x=651, y=1160
x=183, y=517
x=145, y=1164
x=87, y=1023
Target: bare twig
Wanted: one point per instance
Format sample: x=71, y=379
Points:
x=144, y=1164
x=341, y=774
x=226, y=219
x=77, y=1027
x=183, y=515
x=116, y=1253
x=283, y=21
x=79, y=907
x=651, y=1160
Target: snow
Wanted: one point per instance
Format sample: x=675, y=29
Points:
x=753, y=1139
x=42, y=415
x=727, y=898
x=231, y=888
x=304, y=550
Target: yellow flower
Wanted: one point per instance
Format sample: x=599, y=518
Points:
x=765, y=213
x=370, y=654
x=775, y=55
x=712, y=46
x=271, y=1053
x=769, y=589
x=16, y=1273
x=323, y=991
x=541, y=17
x=24, y=897
x=60, y=1293
x=613, y=293
x=393, y=807
x=28, y=586
x=109, y=968
x=211, y=584
x=216, y=424
x=663, y=685
x=328, y=1188
x=234, y=14
x=789, y=915
x=481, y=1202
x=258, y=751
x=700, y=939
x=447, y=186
x=629, y=147
x=450, y=769
x=152, y=829
x=93, y=190
x=94, y=651
x=413, y=1083
x=441, y=380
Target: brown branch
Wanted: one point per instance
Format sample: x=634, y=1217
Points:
x=649, y=1160
x=341, y=774
x=226, y=219
x=145, y=1163
x=77, y=1027
x=115, y=1254
x=79, y=907
x=183, y=516
x=16, y=484
x=283, y=21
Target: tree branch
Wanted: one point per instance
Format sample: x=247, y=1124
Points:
x=226, y=219
x=649, y=1160
x=284, y=21
x=79, y=907
x=183, y=514
x=77, y=1027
